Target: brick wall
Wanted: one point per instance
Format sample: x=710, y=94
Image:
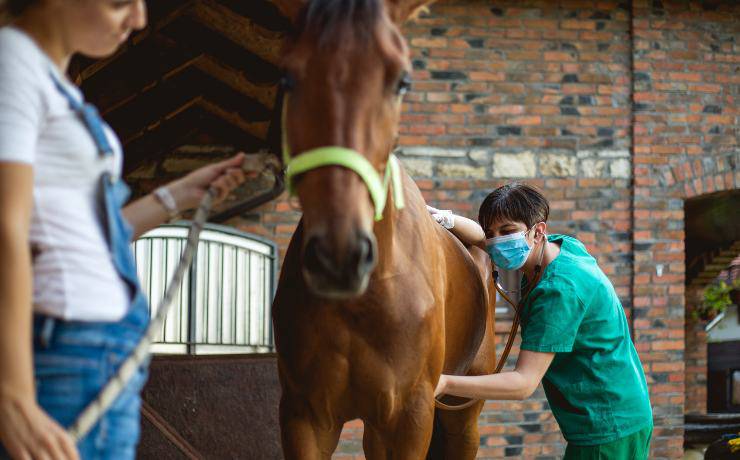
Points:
x=695, y=360
x=554, y=93
x=685, y=144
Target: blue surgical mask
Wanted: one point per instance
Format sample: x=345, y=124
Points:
x=509, y=252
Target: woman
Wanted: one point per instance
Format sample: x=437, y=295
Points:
x=62, y=197
x=575, y=338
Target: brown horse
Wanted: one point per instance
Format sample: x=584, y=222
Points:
x=368, y=314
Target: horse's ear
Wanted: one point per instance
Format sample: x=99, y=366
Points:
x=402, y=10
x=290, y=8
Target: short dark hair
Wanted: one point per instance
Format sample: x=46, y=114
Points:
x=516, y=202
x=16, y=7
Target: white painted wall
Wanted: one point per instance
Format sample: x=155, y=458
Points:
x=728, y=329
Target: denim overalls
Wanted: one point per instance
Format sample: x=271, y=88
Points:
x=74, y=359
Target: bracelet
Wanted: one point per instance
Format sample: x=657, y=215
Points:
x=165, y=198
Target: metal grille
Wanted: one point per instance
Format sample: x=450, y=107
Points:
x=224, y=303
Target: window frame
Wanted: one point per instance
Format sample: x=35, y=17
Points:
x=175, y=234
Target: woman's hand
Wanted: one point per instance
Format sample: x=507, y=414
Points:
x=25, y=430
x=146, y=213
x=28, y=433
x=224, y=176
x=444, y=218
x=441, y=386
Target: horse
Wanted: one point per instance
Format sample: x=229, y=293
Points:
x=375, y=300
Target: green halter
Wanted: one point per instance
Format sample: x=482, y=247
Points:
x=350, y=159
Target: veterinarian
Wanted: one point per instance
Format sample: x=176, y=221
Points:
x=574, y=336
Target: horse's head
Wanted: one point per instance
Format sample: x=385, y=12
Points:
x=346, y=69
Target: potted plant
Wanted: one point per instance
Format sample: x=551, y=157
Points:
x=715, y=299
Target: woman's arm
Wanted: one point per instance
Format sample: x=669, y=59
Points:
x=147, y=212
x=25, y=430
x=466, y=230
x=518, y=384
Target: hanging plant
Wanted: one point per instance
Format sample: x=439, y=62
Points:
x=715, y=300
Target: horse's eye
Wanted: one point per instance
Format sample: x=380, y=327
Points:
x=404, y=84
x=287, y=83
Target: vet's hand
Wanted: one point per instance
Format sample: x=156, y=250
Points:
x=27, y=432
x=441, y=386
x=224, y=176
x=444, y=218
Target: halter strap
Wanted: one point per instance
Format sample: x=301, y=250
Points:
x=346, y=158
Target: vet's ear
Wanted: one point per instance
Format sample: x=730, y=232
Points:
x=290, y=8
x=402, y=10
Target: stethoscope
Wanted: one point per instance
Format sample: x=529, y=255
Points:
x=517, y=306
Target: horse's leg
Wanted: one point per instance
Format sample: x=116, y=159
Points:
x=458, y=437
x=407, y=436
x=302, y=437
x=373, y=444
x=459, y=433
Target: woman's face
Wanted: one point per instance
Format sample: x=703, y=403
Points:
x=96, y=28
x=504, y=227
x=534, y=235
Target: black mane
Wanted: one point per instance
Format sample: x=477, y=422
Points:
x=333, y=20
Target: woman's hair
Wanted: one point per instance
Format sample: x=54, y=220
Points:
x=15, y=7
x=515, y=202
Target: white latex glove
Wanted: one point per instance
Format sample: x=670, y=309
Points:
x=444, y=217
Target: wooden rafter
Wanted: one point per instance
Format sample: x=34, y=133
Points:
x=713, y=265
x=239, y=29
x=204, y=71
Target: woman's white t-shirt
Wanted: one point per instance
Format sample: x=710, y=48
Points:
x=73, y=273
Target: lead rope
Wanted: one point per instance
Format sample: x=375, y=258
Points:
x=92, y=413
x=514, y=326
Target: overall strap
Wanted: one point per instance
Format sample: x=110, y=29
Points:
x=89, y=115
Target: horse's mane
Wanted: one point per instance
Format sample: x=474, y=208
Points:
x=335, y=20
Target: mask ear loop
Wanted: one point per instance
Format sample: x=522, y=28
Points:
x=538, y=266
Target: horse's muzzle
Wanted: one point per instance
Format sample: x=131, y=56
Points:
x=339, y=274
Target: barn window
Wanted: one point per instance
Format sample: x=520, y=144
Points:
x=223, y=306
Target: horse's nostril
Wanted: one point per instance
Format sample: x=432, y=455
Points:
x=365, y=260
x=350, y=270
x=315, y=260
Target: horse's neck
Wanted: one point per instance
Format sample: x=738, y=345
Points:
x=398, y=233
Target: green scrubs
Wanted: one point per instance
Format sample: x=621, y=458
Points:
x=633, y=447
x=595, y=385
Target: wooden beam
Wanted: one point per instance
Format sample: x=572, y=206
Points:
x=256, y=129
x=264, y=94
x=714, y=266
x=241, y=30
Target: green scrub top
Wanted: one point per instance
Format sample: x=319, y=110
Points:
x=595, y=385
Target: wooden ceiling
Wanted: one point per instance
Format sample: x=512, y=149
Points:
x=204, y=72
